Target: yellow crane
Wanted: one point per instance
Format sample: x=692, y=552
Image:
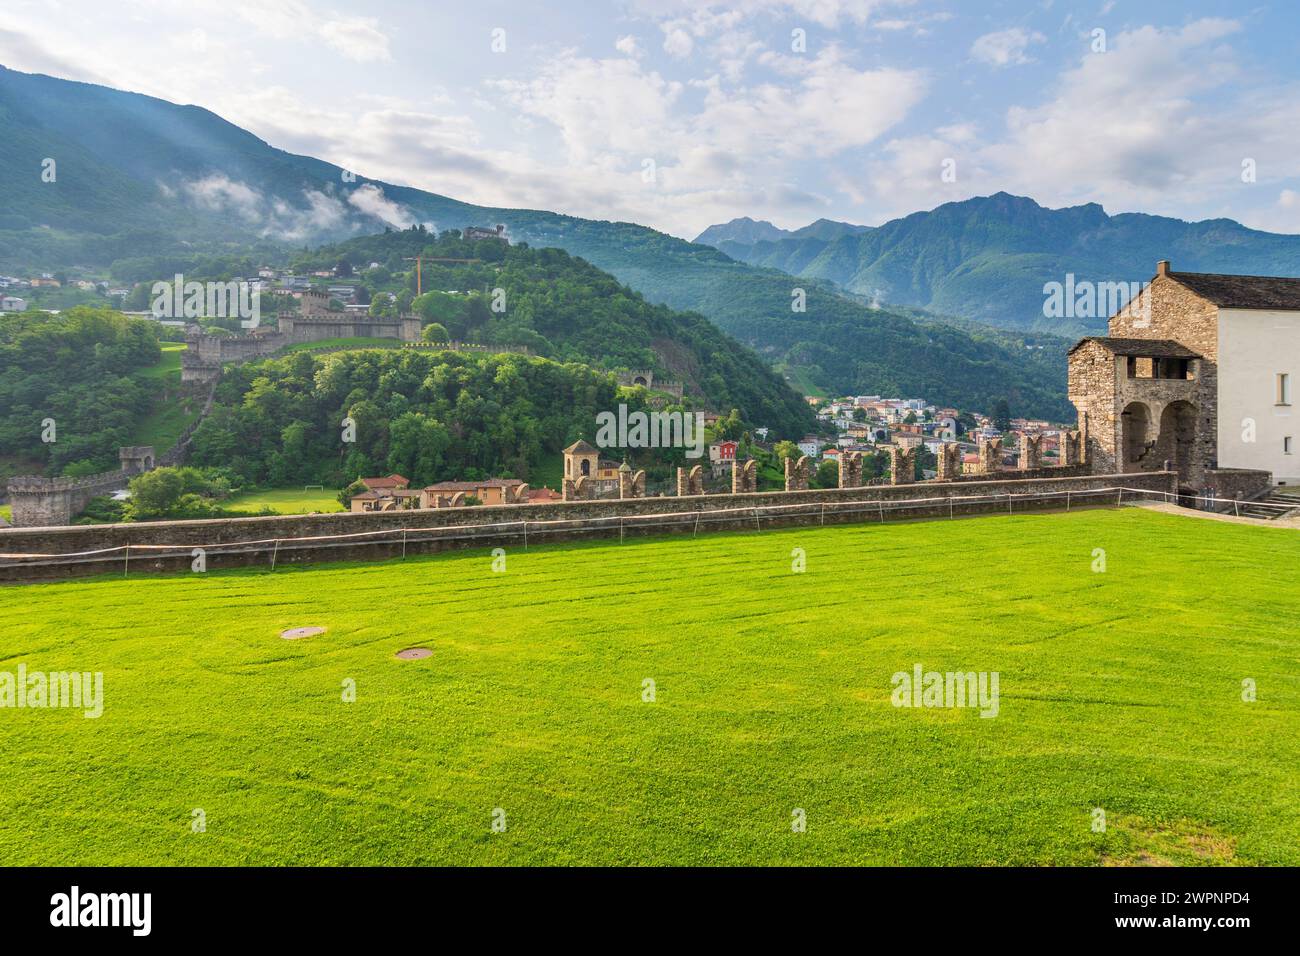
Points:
x=421, y=259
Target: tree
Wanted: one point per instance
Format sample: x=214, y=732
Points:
x=435, y=332
x=1002, y=415
x=174, y=493
x=826, y=476
x=786, y=449
x=859, y=414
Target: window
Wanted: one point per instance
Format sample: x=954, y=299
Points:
x=1284, y=388
x=1286, y=445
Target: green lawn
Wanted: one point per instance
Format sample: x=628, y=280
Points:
x=7, y=512
x=358, y=342
x=163, y=424
x=1119, y=690
x=168, y=366
x=285, y=501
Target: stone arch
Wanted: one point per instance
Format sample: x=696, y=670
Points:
x=1177, y=441
x=585, y=468
x=1138, y=436
x=640, y=380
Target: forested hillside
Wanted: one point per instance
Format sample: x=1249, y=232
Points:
x=428, y=415
x=70, y=393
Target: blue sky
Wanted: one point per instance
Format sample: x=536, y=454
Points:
x=730, y=110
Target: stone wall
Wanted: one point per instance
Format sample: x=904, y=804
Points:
x=796, y=473
x=44, y=502
x=990, y=453
x=1031, y=452
x=1234, y=483
x=902, y=465
x=948, y=462
x=236, y=542
x=744, y=477
x=206, y=354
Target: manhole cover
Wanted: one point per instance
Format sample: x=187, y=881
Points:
x=294, y=633
x=414, y=654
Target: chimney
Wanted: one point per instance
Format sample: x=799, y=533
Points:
x=1162, y=267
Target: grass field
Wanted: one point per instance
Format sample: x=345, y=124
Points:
x=1119, y=689
x=285, y=501
x=358, y=342
x=163, y=425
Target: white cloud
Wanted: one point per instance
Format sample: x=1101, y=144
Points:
x=357, y=38
x=677, y=42
x=1005, y=47
x=628, y=46
x=370, y=199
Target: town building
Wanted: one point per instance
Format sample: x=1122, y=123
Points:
x=489, y=491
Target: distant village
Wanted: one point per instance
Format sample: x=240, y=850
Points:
x=870, y=423
x=863, y=425
x=17, y=293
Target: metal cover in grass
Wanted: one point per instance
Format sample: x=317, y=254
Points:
x=413, y=654
x=294, y=633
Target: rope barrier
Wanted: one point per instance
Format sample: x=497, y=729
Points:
x=598, y=523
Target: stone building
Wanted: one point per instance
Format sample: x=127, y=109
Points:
x=582, y=460
x=1196, y=372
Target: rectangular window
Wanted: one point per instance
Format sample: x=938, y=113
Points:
x=1284, y=388
x=1286, y=445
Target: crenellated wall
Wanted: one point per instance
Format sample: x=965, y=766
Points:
x=236, y=542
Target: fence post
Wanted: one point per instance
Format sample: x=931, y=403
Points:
x=823, y=514
x=525, y=535
x=127, y=563
x=757, y=526
x=274, y=552
x=403, y=544
x=697, y=525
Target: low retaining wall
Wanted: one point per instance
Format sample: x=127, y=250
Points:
x=1026, y=474
x=46, y=553
x=1237, y=483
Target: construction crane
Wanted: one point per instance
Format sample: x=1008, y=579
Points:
x=420, y=260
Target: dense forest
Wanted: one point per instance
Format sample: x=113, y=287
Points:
x=428, y=415
x=68, y=393
x=562, y=307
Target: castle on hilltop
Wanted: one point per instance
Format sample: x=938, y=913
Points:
x=202, y=359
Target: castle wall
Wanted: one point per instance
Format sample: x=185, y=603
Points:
x=229, y=542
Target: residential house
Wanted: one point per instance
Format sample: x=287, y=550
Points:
x=489, y=491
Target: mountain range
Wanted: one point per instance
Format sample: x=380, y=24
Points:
x=139, y=176
x=988, y=258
